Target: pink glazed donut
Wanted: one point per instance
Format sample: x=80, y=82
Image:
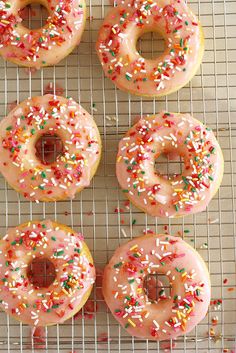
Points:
x=181, y=194
x=72, y=170
x=128, y=70
x=45, y=46
x=43, y=304
x=169, y=316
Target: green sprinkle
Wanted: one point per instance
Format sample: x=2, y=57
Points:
x=32, y=131
x=131, y=280
x=127, y=77
x=53, y=238
x=136, y=255
x=118, y=265
x=59, y=253
x=13, y=243
x=180, y=270
x=9, y=128
x=186, y=231
x=43, y=175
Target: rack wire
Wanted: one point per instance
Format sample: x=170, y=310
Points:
x=101, y=212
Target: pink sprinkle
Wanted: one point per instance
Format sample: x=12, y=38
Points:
x=103, y=337
x=49, y=89
x=39, y=337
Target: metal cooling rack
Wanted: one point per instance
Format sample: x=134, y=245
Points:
x=210, y=97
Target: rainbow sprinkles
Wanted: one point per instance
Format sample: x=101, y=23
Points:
x=72, y=169
x=74, y=273
x=169, y=133
x=168, y=316
x=116, y=46
x=45, y=46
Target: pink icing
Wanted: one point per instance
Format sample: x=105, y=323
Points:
x=178, y=195
x=45, y=46
x=72, y=170
x=168, y=316
x=73, y=264
x=124, y=24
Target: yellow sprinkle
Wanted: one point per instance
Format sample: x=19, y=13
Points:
x=131, y=323
x=133, y=247
x=64, y=291
x=119, y=158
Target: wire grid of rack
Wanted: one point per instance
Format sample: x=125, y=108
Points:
x=210, y=97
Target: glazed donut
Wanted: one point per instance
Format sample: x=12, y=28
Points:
x=169, y=133
x=73, y=168
x=170, y=315
x=74, y=273
x=129, y=71
x=45, y=46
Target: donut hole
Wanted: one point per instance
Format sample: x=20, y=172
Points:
x=169, y=165
x=157, y=287
x=48, y=148
x=41, y=272
x=150, y=45
x=34, y=16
